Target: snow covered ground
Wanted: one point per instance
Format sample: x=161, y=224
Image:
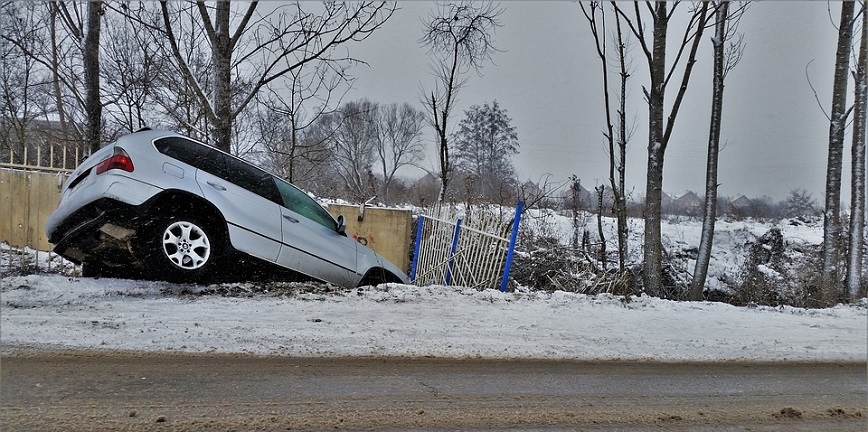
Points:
x=60, y=312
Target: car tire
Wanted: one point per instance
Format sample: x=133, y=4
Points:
x=181, y=249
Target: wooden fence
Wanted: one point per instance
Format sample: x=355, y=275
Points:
x=31, y=178
x=26, y=200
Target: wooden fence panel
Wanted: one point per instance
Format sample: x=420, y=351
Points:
x=26, y=200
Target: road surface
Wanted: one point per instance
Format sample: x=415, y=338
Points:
x=104, y=391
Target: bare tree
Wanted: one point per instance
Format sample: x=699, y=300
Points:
x=857, y=178
x=398, y=144
x=19, y=78
x=725, y=26
x=799, y=203
x=660, y=129
x=266, y=48
x=353, y=143
x=84, y=28
x=130, y=68
x=837, y=128
x=617, y=159
x=459, y=38
x=59, y=51
x=286, y=120
x=184, y=110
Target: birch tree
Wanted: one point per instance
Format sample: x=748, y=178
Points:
x=857, y=173
x=660, y=128
x=459, y=37
x=837, y=128
x=724, y=60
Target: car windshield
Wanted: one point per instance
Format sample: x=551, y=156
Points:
x=299, y=202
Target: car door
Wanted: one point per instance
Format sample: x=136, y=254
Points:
x=245, y=196
x=312, y=244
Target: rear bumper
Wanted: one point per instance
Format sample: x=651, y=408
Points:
x=100, y=231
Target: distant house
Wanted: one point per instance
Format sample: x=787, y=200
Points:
x=576, y=196
x=688, y=204
x=741, y=202
x=740, y=205
x=666, y=202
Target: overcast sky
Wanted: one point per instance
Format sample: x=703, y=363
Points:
x=547, y=76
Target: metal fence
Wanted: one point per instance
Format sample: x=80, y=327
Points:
x=41, y=156
x=472, y=249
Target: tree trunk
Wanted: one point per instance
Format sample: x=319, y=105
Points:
x=838, y=122
x=92, y=104
x=55, y=71
x=653, y=252
x=444, y=163
x=620, y=197
x=857, y=179
x=222, y=56
x=603, y=258
x=709, y=216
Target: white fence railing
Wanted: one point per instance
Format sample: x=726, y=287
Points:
x=41, y=156
x=467, y=249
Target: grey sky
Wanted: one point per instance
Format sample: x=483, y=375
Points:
x=547, y=76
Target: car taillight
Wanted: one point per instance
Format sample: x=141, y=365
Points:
x=119, y=160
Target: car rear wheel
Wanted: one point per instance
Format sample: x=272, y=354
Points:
x=181, y=249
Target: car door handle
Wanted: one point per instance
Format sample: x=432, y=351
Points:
x=217, y=186
x=290, y=218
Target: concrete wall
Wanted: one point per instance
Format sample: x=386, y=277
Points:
x=387, y=231
x=26, y=200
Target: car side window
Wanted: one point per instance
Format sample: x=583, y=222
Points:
x=299, y=202
x=215, y=162
x=250, y=178
x=184, y=150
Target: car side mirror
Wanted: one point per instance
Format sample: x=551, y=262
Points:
x=342, y=225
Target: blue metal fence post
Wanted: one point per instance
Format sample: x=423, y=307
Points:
x=455, y=234
x=419, y=225
x=511, y=249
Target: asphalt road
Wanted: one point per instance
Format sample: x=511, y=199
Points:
x=79, y=391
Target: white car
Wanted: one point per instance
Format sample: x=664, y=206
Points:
x=164, y=206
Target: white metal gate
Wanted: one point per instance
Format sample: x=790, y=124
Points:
x=472, y=249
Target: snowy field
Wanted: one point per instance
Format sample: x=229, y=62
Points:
x=59, y=312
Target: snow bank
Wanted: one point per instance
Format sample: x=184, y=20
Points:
x=57, y=312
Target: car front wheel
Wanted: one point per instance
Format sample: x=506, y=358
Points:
x=181, y=249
